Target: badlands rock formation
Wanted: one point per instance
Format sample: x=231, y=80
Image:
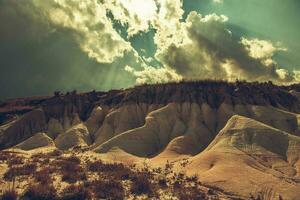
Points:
x=242, y=138
x=39, y=140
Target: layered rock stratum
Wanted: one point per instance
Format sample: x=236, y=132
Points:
x=241, y=138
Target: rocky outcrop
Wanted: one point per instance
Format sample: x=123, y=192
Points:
x=22, y=128
x=77, y=136
x=37, y=141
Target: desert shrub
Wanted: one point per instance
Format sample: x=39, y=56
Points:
x=141, y=184
x=108, y=189
x=73, y=177
x=38, y=156
x=26, y=169
x=43, y=175
x=76, y=192
x=9, y=195
x=99, y=166
x=15, y=160
x=193, y=179
x=73, y=159
x=162, y=182
x=4, y=156
x=45, y=161
x=71, y=170
x=115, y=170
x=168, y=168
x=190, y=193
x=54, y=153
x=95, y=166
x=40, y=192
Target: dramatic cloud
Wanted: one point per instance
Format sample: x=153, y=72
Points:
x=168, y=27
x=297, y=75
x=60, y=45
x=154, y=75
x=135, y=14
x=94, y=31
x=212, y=51
x=104, y=44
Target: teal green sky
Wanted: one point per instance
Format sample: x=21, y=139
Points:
x=273, y=20
x=47, y=46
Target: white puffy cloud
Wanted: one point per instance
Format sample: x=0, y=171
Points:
x=169, y=29
x=153, y=75
x=261, y=49
x=296, y=75
x=217, y=1
x=93, y=30
x=135, y=14
x=212, y=51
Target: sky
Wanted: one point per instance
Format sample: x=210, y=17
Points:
x=67, y=45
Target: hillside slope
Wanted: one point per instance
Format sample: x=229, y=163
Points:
x=238, y=137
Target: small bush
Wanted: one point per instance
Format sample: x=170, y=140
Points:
x=162, y=182
x=115, y=170
x=73, y=159
x=43, y=176
x=71, y=170
x=9, y=195
x=26, y=169
x=75, y=192
x=54, y=153
x=141, y=185
x=191, y=193
x=4, y=156
x=40, y=192
x=15, y=160
x=193, y=179
x=99, y=166
x=108, y=189
x=73, y=176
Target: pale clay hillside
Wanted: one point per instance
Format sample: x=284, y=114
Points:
x=241, y=140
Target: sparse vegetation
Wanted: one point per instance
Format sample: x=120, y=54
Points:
x=98, y=179
x=114, y=170
x=54, y=153
x=40, y=192
x=141, y=184
x=70, y=169
x=15, y=160
x=76, y=192
x=43, y=175
x=27, y=169
x=108, y=189
x=9, y=195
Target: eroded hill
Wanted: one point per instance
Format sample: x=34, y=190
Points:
x=241, y=138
